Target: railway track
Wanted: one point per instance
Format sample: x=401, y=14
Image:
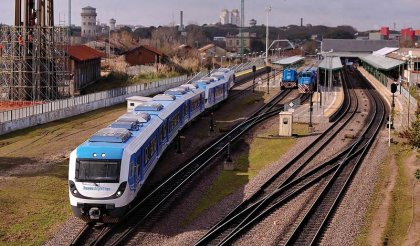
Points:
x=231, y=224
x=155, y=200
x=241, y=219
x=310, y=229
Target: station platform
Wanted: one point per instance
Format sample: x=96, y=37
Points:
x=401, y=102
x=322, y=108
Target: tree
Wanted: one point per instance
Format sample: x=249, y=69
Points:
x=414, y=132
x=310, y=47
x=339, y=34
x=143, y=32
x=126, y=29
x=257, y=45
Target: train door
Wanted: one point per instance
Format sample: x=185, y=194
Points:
x=132, y=173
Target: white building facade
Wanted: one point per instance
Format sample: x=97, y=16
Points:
x=224, y=17
x=88, y=22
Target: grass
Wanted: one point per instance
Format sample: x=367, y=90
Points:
x=118, y=80
x=399, y=216
x=384, y=173
x=261, y=152
x=18, y=147
x=32, y=207
x=400, y=211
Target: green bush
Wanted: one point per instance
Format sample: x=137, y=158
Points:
x=414, y=134
x=417, y=174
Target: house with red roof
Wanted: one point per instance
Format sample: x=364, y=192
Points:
x=143, y=55
x=85, y=66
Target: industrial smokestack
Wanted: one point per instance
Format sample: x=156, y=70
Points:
x=301, y=22
x=181, y=25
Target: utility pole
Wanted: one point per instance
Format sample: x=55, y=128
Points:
x=268, y=10
x=241, y=29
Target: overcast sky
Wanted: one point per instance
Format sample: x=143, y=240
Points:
x=362, y=14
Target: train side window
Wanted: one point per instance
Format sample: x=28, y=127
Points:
x=162, y=133
x=132, y=104
x=132, y=166
x=186, y=109
x=138, y=165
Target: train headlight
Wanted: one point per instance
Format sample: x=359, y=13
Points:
x=121, y=189
x=103, y=155
x=73, y=189
x=95, y=155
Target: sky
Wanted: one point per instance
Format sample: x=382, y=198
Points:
x=361, y=14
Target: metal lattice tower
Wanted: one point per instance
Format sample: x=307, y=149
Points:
x=33, y=55
x=241, y=30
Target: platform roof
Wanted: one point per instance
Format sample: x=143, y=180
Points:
x=289, y=60
x=385, y=51
x=354, y=45
x=335, y=64
x=382, y=62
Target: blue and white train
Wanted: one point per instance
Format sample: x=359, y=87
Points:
x=107, y=171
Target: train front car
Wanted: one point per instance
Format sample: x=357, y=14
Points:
x=307, y=80
x=289, y=79
x=97, y=185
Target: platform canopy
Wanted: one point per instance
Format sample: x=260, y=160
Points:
x=382, y=62
x=333, y=64
x=385, y=51
x=289, y=60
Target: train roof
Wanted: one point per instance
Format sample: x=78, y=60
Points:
x=189, y=86
x=113, y=141
x=162, y=106
x=177, y=91
x=111, y=135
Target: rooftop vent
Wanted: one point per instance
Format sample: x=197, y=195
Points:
x=149, y=106
x=131, y=126
x=178, y=91
x=164, y=97
x=189, y=86
x=111, y=135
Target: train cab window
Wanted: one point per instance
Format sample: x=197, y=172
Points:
x=105, y=171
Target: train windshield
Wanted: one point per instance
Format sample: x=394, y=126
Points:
x=101, y=171
x=307, y=74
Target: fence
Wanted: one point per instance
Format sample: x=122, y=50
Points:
x=43, y=113
x=413, y=101
x=38, y=114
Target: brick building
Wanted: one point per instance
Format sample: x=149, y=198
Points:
x=143, y=55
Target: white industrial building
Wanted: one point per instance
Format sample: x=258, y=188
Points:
x=112, y=23
x=88, y=21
